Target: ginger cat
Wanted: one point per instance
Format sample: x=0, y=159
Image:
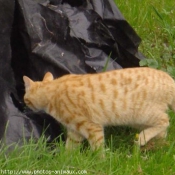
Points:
x=84, y=104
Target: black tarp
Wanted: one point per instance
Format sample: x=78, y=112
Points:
x=60, y=36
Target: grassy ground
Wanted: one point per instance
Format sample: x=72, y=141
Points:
x=155, y=23
x=122, y=157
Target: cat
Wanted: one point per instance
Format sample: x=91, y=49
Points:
x=85, y=104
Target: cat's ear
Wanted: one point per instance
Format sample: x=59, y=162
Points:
x=48, y=77
x=27, y=82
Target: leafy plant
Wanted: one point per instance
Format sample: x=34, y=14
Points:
x=158, y=65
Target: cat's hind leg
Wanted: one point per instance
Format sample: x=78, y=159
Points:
x=157, y=129
x=73, y=140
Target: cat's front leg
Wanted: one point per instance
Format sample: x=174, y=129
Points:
x=94, y=133
x=73, y=140
x=96, y=138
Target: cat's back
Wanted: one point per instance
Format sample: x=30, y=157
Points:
x=131, y=77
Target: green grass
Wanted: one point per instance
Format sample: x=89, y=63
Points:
x=122, y=156
x=155, y=23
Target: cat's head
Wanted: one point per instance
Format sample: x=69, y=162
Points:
x=35, y=95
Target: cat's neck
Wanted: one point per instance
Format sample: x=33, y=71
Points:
x=49, y=92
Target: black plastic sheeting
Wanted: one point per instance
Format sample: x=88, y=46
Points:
x=60, y=36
